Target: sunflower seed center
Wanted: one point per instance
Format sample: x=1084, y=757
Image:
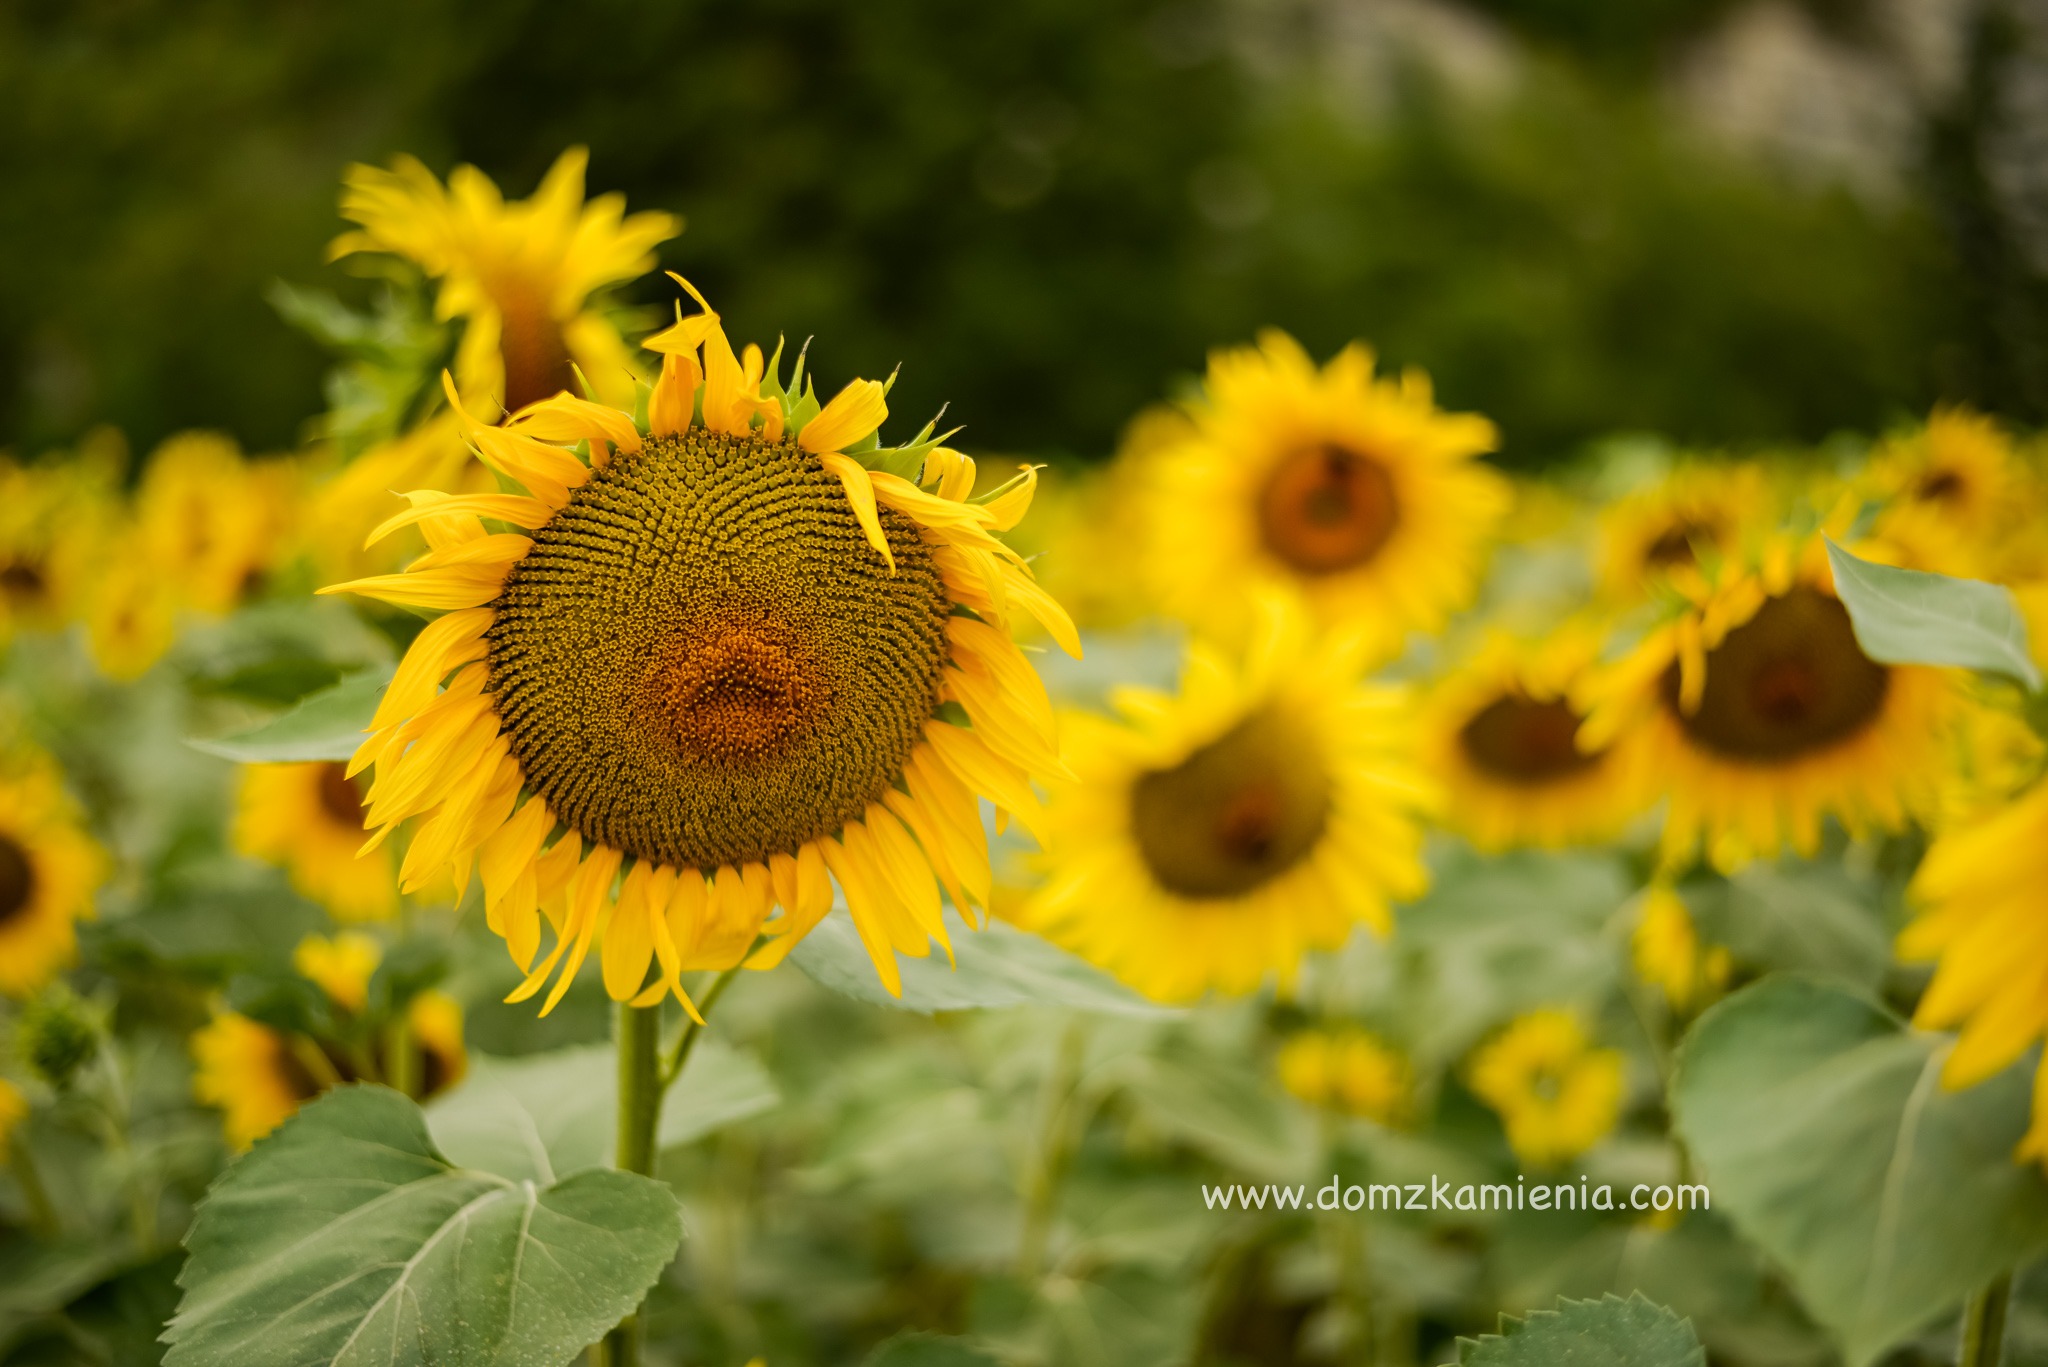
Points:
x=1326, y=509
x=1521, y=741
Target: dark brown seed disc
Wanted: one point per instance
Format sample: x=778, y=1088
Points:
x=1235, y=814
x=703, y=662
x=17, y=880
x=1788, y=681
x=1519, y=740
x=1325, y=510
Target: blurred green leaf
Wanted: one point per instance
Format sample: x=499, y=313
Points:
x=218, y=919
x=997, y=966
x=1820, y=1125
x=1910, y=617
x=37, y=1279
x=346, y=1238
x=930, y=1350
x=329, y=725
x=548, y=1115
x=1803, y=917
x=1609, y=1332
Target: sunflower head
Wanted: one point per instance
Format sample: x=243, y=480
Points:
x=1763, y=718
x=1557, y=1094
x=1352, y=490
x=49, y=869
x=1501, y=733
x=1347, y=1070
x=521, y=276
x=1699, y=512
x=1207, y=840
x=718, y=655
x=308, y=820
x=1668, y=954
x=208, y=522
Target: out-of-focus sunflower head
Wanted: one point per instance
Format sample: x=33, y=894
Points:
x=1958, y=482
x=1701, y=510
x=1668, y=955
x=1355, y=492
x=1557, y=1094
x=735, y=651
x=54, y=522
x=1347, y=1070
x=50, y=867
x=308, y=820
x=1206, y=841
x=1764, y=719
x=1501, y=732
x=210, y=523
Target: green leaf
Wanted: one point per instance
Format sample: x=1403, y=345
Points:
x=1822, y=1130
x=327, y=726
x=38, y=1279
x=1609, y=1332
x=1910, y=617
x=547, y=1115
x=347, y=1239
x=1810, y=918
x=998, y=966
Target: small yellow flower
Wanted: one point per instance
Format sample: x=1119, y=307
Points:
x=49, y=870
x=1346, y=1069
x=252, y=1073
x=341, y=967
x=308, y=819
x=1556, y=1094
x=1668, y=954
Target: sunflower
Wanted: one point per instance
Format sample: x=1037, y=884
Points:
x=1556, y=1094
x=1977, y=896
x=131, y=618
x=51, y=522
x=49, y=869
x=1347, y=1070
x=258, y=1075
x=308, y=820
x=1668, y=955
x=733, y=654
x=527, y=283
x=1762, y=716
x=1208, y=840
x=1501, y=735
x=208, y=522
x=1959, y=475
x=1698, y=511
x=1354, y=491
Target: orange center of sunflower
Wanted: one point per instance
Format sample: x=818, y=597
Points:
x=739, y=692
x=1236, y=813
x=1788, y=681
x=22, y=583
x=1940, y=486
x=1521, y=741
x=531, y=345
x=339, y=796
x=17, y=880
x=1326, y=509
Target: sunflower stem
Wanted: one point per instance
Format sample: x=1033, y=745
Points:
x=686, y=1041
x=1055, y=1152
x=640, y=1092
x=1984, y=1323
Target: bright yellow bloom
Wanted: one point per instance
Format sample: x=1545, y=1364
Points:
x=308, y=820
x=1556, y=1094
x=1355, y=492
x=209, y=522
x=1959, y=481
x=251, y=1073
x=702, y=668
x=1668, y=954
x=435, y=1019
x=1209, y=840
x=49, y=870
x=52, y=521
x=131, y=617
x=1979, y=898
x=1501, y=734
x=520, y=276
x=1698, y=512
x=341, y=967
x=1764, y=717
x=1348, y=1070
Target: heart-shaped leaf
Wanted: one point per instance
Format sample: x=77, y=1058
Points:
x=1609, y=1332
x=346, y=1239
x=1822, y=1129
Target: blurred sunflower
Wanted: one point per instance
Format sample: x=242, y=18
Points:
x=1763, y=717
x=719, y=662
x=1697, y=512
x=210, y=522
x=257, y=1076
x=1210, y=839
x=1667, y=952
x=1978, y=897
x=1956, y=480
x=1501, y=733
x=1354, y=491
x=308, y=820
x=131, y=617
x=49, y=869
x=527, y=283
x=52, y=518
x=1556, y=1094
x=1348, y=1070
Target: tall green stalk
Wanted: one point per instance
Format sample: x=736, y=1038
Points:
x=640, y=1093
x=1984, y=1323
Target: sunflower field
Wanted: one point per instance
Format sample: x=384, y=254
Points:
x=630, y=839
